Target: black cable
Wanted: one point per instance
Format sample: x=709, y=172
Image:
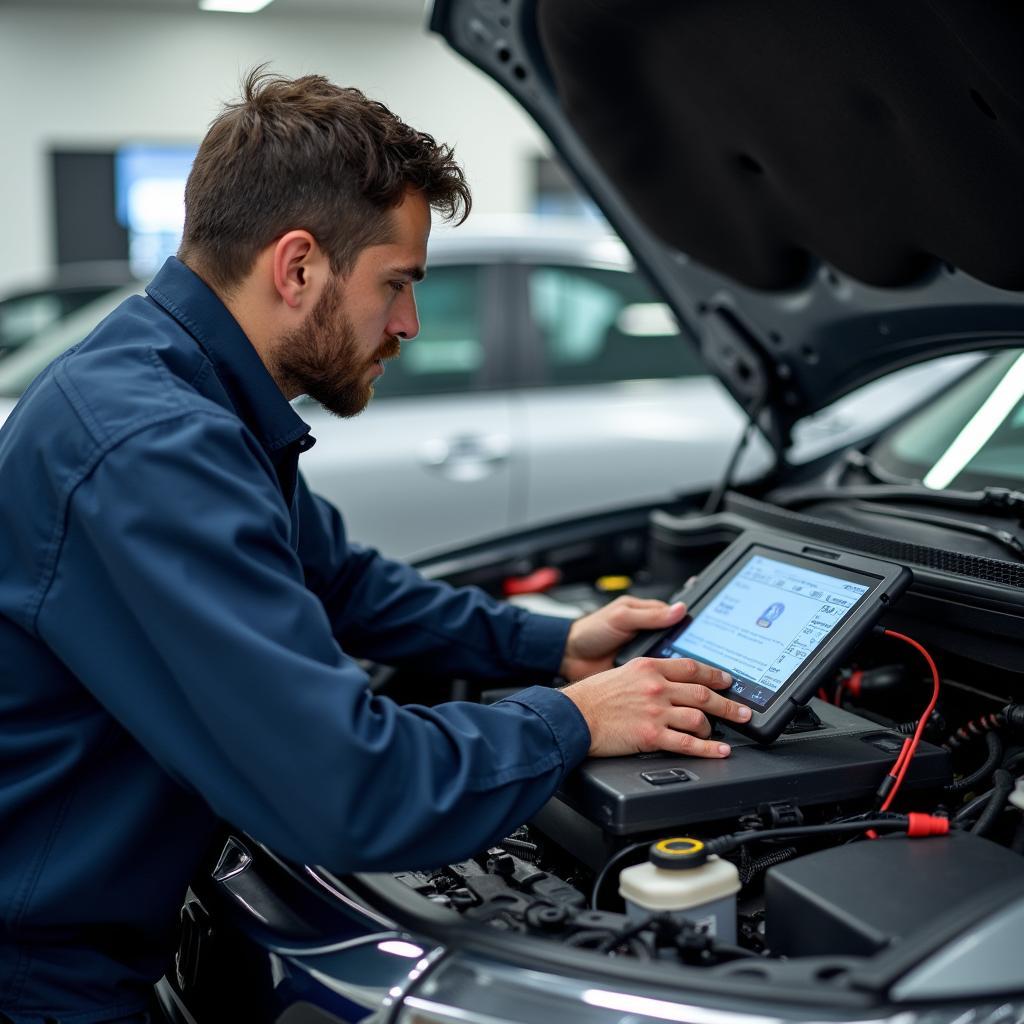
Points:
x=609, y=864
x=714, y=502
x=752, y=869
x=1004, y=783
x=967, y=811
x=995, y=755
x=736, y=952
x=893, y=823
x=632, y=932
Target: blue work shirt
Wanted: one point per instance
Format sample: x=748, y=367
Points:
x=178, y=621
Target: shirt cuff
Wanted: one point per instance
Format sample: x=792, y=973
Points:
x=540, y=645
x=562, y=717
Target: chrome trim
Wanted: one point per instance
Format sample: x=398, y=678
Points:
x=349, y=902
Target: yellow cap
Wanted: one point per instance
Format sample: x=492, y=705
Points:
x=678, y=852
x=610, y=584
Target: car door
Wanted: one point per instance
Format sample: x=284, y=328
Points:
x=623, y=410
x=429, y=463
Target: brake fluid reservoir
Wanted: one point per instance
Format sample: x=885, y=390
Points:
x=680, y=879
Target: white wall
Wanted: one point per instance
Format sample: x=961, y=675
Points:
x=99, y=78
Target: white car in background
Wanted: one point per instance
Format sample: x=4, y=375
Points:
x=547, y=381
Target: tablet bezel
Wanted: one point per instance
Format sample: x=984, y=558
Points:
x=886, y=581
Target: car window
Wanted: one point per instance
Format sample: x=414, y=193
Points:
x=448, y=353
x=21, y=365
x=971, y=436
x=600, y=326
x=22, y=317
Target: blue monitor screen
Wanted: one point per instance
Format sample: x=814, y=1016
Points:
x=149, y=183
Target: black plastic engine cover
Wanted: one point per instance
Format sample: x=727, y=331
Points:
x=845, y=759
x=859, y=898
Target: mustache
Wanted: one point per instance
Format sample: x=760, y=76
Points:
x=390, y=349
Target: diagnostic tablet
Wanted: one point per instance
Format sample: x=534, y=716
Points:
x=780, y=616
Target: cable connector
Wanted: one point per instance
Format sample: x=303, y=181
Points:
x=780, y=814
x=920, y=826
x=884, y=790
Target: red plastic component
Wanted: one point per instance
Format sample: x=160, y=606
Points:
x=921, y=825
x=535, y=583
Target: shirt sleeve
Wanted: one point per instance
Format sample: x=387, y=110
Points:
x=386, y=611
x=179, y=601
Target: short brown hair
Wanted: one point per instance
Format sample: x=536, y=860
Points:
x=304, y=153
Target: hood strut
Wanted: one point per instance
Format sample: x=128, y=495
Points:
x=734, y=352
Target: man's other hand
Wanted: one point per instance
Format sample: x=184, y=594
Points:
x=655, y=704
x=595, y=638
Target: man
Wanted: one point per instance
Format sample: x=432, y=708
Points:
x=179, y=615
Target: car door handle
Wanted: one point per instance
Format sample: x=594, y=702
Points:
x=466, y=457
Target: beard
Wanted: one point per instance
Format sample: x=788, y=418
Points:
x=322, y=359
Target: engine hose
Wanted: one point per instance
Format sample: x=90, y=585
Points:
x=967, y=812
x=995, y=754
x=755, y=867
x=1004, y=783
x=976, y=727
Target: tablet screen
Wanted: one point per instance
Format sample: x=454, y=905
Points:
x=765, y=620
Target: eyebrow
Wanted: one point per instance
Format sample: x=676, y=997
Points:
x=416, y=273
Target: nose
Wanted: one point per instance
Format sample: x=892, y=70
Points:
x=405, y=321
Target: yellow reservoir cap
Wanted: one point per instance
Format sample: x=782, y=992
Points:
x=613, y=584
x=677, y=852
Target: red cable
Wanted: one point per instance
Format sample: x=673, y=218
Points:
x=902, y=763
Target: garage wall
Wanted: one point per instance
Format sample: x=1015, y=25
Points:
x=99, y=78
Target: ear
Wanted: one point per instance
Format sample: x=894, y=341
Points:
x=299, y=265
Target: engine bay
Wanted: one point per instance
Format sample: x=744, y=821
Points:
x=827, y=863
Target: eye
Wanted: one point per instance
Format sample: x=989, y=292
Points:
x=398, y=286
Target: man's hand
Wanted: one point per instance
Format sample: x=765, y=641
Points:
x=594, y=639
x=655, y=704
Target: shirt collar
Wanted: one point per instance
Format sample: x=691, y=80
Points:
x=253, y=392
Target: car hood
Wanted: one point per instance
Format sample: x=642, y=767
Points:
x=824, y=192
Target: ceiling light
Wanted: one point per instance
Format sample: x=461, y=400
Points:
x=233, y=6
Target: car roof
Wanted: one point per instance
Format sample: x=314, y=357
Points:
x=528, y=238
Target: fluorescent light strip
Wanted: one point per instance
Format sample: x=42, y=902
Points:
x=981, y=426
x=233, y=6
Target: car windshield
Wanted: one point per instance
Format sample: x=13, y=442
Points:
x=970, y=437
x=20, y=367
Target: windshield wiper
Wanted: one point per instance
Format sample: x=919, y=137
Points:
x=1000, y=499
x=990, y=533
x=891, y=487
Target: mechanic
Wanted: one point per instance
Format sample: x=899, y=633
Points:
x=180, y=616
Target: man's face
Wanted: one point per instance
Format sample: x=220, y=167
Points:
x=360, y=319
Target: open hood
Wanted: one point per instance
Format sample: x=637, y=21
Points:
x=823, y=191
